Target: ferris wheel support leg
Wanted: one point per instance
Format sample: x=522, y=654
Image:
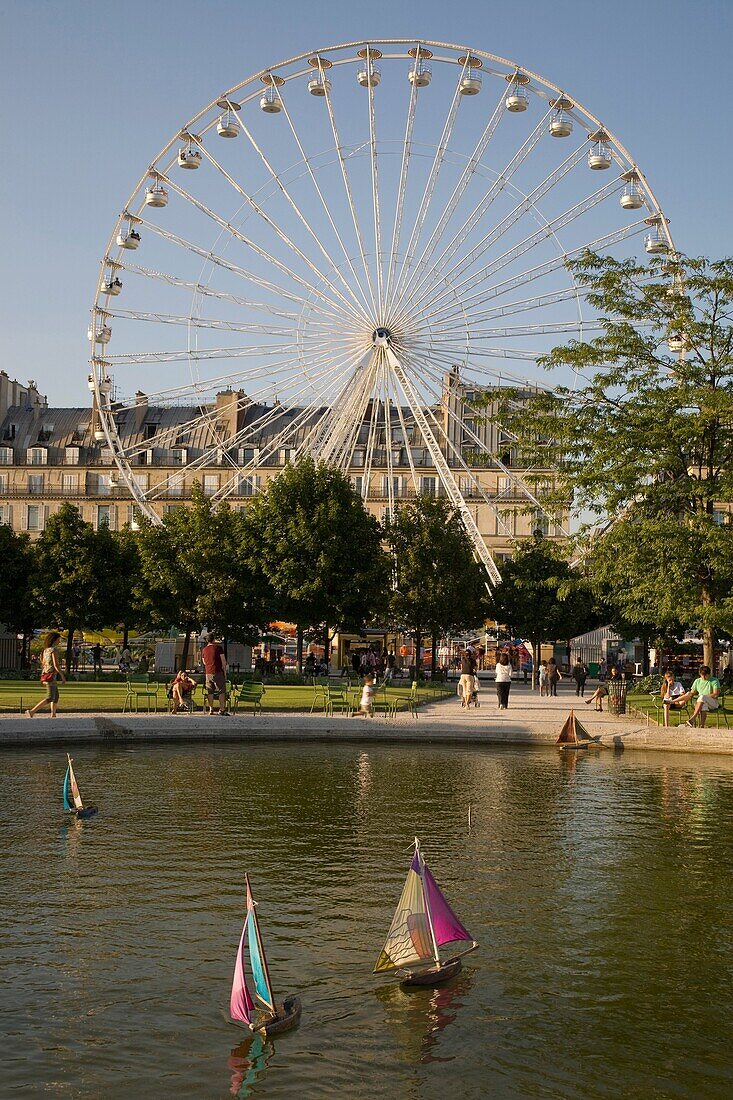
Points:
x=446, y=474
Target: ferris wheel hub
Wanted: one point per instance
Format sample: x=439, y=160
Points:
x=381, y=338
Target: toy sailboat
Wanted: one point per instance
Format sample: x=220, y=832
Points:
x=423, y=922
x=574, y=735
x=72, y=798
x=242, y=1008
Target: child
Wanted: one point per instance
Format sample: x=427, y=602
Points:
x=367, y=697
x=542, y=677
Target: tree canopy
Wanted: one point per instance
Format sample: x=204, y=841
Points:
x=645, y=441
x=438, y=585
x=541, y=597
x=317, y=548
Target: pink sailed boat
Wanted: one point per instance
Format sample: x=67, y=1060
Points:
x=261, y=1012
x=423, y=923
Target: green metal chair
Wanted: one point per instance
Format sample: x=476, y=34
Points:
x=250, y=695
x=140, y=687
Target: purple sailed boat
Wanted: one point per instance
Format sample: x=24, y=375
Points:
x=423, y=923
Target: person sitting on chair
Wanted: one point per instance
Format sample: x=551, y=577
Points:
x=181, y=687
x=671, y=691
x=707, y=689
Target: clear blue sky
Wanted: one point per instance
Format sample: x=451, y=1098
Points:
x=92, y=90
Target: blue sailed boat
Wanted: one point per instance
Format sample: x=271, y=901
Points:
x=72, y=799
x=243, y=1008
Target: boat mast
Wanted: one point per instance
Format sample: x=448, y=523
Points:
x=261, y=949
x=426, y=903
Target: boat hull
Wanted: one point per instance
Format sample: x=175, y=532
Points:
x=434, y=976
x=287, y=1016
x=87, y=811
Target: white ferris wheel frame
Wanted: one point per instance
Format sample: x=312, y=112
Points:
x=360, y=320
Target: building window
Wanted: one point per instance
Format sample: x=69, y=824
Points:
x=132, y=522
x=5, y=513
x=359, y=485
x=248, y=486
x=70, y=484
x=141, y=480
x=358, y=459
x=3, y=484
x=104, y=516
x=71, y=456
x=35, y=484
x=720, y=518
x=34, y=517
x=6, y=456
x=429, y=486
x=286, y=453
x=398, y=486
x=247, y=455
x=99, y=484
x=211, y=484
x=37, y=456
x=175, y=485
x=168, y=508
x=540, y=523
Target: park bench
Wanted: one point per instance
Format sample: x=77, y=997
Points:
x=250, y=695
x=139, y=686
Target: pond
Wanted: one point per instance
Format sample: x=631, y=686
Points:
x=599, y=889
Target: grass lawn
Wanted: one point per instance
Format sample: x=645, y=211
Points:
x=109, y=698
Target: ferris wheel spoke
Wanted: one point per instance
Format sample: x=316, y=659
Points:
x=373, y=420
x=516, y=485
x=199, y=322
x=426, y=420
x=529, y=275
x=526, y=205
x=253, y=430
x=459, y=190
x=345, y=307
x=549, y=229
x=466, y=431
x=326, y=441
x=401, y=188
x=350, y=417
x=429, y=189
x=478, y=212
x=375, y=193
x=529, y=203
x=405, y=435
x=209, y=291
x=347, y=184
x=364, y=302
x=235, y=269
x=184, y=356
x=509, y=309
x=301, y=216
x=312, y=412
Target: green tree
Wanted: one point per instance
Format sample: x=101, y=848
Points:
x=318, y=549
x=439, y=588
x=194, y=570
x=17, y=607
x=70, y=579
x=541, y=598
x=646, y=440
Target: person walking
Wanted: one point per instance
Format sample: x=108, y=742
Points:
x=580, y=675
x=97, y=659
x=468, y=672
x=553, y=675
x=50, y=671
x=503, y=680
x=215, y=667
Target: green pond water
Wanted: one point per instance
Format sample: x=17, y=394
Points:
x=600, y=890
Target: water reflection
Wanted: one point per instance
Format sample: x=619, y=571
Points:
x=248, y=1063
x=418, y=1017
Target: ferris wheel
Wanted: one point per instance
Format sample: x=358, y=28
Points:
x=339, y=240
